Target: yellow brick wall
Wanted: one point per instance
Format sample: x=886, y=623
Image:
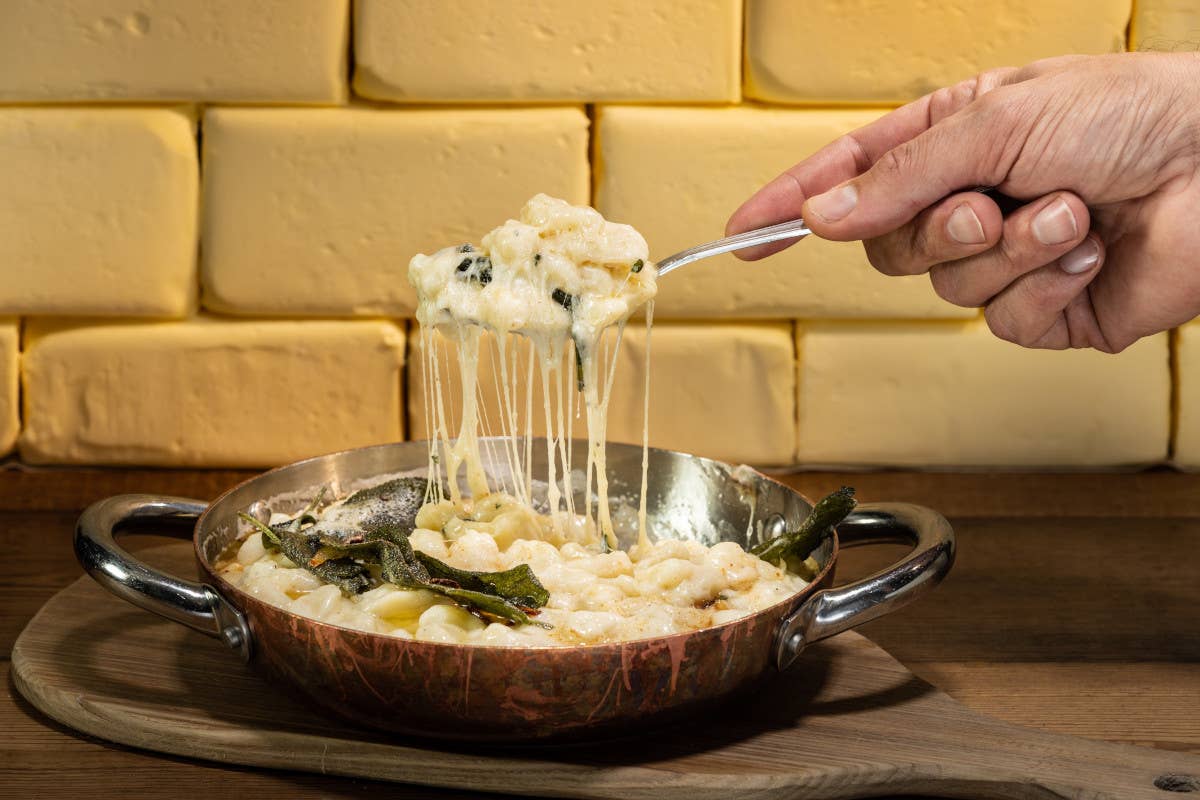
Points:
x=207, y=209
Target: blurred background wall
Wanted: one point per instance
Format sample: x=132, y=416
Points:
x=207, y=208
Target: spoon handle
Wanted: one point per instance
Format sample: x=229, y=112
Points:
x=794, y=229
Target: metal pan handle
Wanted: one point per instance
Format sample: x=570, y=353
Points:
x=835, y=610
x=197, y=605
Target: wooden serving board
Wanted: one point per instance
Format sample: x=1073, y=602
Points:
x=848, y=721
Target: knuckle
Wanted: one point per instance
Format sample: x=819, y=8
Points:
x=897, y=162
x=1004, y=326
x=947, y=285
x=882, y=257
x=991, y=79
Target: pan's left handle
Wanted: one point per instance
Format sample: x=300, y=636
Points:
x=197, y=605
x=832, y=611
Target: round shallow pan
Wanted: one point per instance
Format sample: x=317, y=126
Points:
x=508, y=694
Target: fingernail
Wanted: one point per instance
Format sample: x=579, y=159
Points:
x=834, y=204
x=1055, y=223
x=964, y=227
x=1082, y=258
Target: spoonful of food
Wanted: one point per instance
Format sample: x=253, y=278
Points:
x=793, y=229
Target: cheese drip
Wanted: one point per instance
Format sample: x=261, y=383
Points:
x=558, y=277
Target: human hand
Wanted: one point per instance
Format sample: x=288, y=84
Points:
x=1104, y=152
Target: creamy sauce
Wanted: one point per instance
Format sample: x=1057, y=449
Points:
x=670, y=586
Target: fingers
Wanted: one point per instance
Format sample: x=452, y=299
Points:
x=1049, y=308
x=851, y=155
x=1049, y=228
x=970, y=148
x=958, y=227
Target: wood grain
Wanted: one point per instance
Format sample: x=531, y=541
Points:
x=1003, y=635
x=849, y=721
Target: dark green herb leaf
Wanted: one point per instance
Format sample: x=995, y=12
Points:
x=565, y=300
x=488, y=606
x=637, y=266
x=794, y=546
x=578, y=367
x=518, y=585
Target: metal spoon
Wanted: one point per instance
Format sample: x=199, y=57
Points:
x=794, y=229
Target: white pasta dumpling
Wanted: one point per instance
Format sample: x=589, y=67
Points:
x=591, y=626
x=320, y=604
x=296, y=582
x=447, y=623
x=398, y=606
x=251, y=550
x=475, y=551
x=666, y=574
x=739, y=567
x=431, y=543
x=434, y=516
x=513, y=524
x=258, y=579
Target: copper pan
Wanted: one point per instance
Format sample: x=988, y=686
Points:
x=512, y=694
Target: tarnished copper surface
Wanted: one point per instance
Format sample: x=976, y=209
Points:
x=506, y=693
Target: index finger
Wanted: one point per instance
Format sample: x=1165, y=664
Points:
x=851, y=155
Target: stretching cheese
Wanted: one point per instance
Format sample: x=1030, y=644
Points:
x=560, y=275
x=701, y=403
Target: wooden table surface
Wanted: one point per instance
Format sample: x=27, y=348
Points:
x=1074, y=607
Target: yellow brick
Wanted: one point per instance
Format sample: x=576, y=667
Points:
x=265, y=51
x=206, y=391
x=318, y=211
x=948, y=394
x=725, y=391
x=97, y=211
x=676, y=174
x=10, y=362
x=548, y=50
x=1186, y=450
x=1165, y=25
x=868, y=51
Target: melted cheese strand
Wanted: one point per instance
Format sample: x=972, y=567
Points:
x=643, y=542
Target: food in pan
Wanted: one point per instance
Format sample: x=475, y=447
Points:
x=491, y=571
x=487, y=562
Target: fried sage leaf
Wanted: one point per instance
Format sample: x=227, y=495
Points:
x=792, y=547
x=341, y=552
x=394, y=502
x=488, y=606
x=517, y=585
x=347, y=574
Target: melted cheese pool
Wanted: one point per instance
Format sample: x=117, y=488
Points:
x=671, y=586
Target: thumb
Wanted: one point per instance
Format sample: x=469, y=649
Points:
x=955, y=154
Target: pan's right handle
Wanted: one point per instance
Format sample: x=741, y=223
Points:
x=832, y=611
x=197, y=605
